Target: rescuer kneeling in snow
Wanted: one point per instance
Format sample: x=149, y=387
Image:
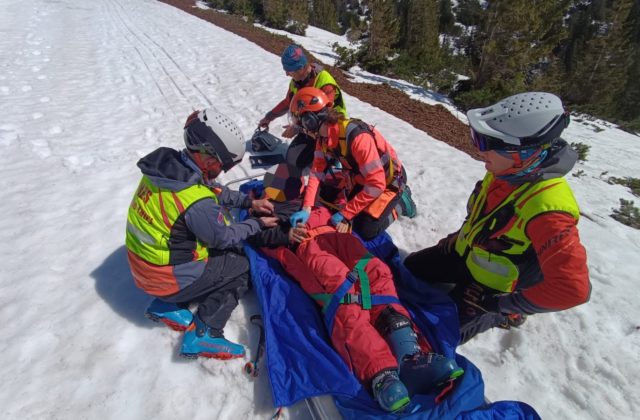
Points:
x=375, y=183
x=518, y=252
x=181, y=246
x=303, y=74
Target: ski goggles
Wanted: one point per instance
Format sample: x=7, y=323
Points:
x=546, y=135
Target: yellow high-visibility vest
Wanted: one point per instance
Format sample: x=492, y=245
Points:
x=152, y=215
x=324, y=78
x=499, y=269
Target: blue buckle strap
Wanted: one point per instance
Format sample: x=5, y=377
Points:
x=341, y=296
x=384, y=300
x=329, y=311
x=323, y=299
x=351, y=298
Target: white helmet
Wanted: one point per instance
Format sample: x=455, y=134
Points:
x=210, y=132
x=525, y=120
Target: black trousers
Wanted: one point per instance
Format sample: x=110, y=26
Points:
x=368, y=227
x=224, y=281
x=445, y=269
x=300, y=154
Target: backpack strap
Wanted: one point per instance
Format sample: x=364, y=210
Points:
x=352, y=130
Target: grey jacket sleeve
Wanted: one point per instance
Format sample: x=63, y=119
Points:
x=206, y=220
x=231, y=198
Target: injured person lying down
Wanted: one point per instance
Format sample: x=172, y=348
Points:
x=369, y=327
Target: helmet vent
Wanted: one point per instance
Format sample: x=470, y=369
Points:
x=517, y=120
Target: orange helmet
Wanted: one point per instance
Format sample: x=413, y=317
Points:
x=310, y=106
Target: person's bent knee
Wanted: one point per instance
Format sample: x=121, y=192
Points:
x=242, y=284
x=413, y=262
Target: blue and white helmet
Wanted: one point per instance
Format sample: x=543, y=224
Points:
x=525, y=120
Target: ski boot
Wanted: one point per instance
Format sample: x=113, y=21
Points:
x=423, y=372
x=202, y=341
x=397, y=331
x=175, y=317
x=390, y=393
x=420, y=371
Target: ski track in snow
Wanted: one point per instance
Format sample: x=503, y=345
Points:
x=87, y=88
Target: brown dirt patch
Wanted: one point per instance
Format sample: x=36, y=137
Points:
x=435, y=120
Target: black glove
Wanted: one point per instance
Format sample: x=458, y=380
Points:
x=448, y=243
x=477, y=296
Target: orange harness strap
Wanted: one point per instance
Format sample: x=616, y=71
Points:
x=319, y=231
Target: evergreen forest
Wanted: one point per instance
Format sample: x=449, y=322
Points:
x=586, y=51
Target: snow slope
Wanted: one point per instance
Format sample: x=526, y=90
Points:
x=87, y=88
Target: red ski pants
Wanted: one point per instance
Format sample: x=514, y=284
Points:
x=321, y=265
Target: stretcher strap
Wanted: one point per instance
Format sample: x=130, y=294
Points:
x=365, y=287
x=330, y=301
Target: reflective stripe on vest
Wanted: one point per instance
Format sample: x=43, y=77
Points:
x=348, y=129
x=506, y=225
x=324, y=78
x=152, y=214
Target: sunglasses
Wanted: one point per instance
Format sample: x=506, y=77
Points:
x=546, y=135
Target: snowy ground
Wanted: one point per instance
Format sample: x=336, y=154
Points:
x=87, y=88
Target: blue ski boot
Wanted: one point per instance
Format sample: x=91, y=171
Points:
x=424, y=372
x=203, y=341
x=390, y=393
x=398, y=332
x=176, y=317
x=420, y=372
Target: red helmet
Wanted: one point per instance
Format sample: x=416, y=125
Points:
x=310, y=106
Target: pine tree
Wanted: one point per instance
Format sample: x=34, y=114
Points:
x=249, y=8
x=628, y=105
x=581, y=26
x=324, y=15
x=599, y=63
x=419, y=35
x=298, y=16
x=610, y=58
x=446, y=20
x=290, y=15
x=275, y=13
x=383, y=34
x=423, y=29
x=469, y=12
x=244, y=8
x=517, y=39
x=356, y=28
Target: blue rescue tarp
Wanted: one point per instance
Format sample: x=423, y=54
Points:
x=301, y=362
